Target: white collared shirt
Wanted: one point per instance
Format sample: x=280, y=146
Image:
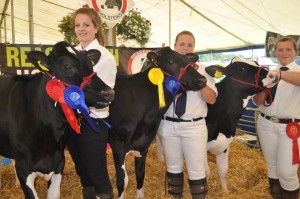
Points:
x=287, y=99
x=106, y=70
x=195, y=105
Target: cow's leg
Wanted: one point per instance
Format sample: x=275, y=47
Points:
x=26, y=180
x=121, y=175
x=220, y=148
x=17, y=179
x=140, y=164
x=54, y=184
x=222, y=164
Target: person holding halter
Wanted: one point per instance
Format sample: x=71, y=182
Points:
x=278, y=124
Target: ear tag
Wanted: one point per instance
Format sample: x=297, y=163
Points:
x=74, y=97
x=218, y=74
x=42, y=67
x=156, y=77
x=293, y=132
x=55, y=90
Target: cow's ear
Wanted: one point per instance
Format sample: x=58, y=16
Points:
x=216, y=71
x=94, y=56
x=153, y=58
x=39, y=60
x=192, y=57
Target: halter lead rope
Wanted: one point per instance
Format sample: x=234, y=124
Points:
x=267, y=91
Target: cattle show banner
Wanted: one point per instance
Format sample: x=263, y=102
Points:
x=13, y=58
x=272, y=38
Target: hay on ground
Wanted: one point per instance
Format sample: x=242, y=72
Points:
x=247, y=177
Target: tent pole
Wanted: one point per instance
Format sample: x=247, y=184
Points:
x=12, y=22
x=170, y=22
x=30, y=17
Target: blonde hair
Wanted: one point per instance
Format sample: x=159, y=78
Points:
x=185, y=32
x=96, y=21
x=287, y=38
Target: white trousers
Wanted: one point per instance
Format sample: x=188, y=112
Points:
x=277, y=148
x=185, y=141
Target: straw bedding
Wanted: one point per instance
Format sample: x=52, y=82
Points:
x=247, y=177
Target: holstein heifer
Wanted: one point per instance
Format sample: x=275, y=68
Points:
x=135, y=114
x=31, y=125
x=243, y=79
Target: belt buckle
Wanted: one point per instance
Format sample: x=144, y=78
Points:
x=274, y=119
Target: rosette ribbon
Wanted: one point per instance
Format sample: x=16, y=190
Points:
x=55, y=89
x=293, y=131
x=74, y=97
x=156, y=77
x=173, y=86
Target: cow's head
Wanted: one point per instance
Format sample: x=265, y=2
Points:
x=246, y=74
x=179, y=66
x=72, y=67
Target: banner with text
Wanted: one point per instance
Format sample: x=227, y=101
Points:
x=13, y=58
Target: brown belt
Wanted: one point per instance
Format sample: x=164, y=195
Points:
x=279, y=120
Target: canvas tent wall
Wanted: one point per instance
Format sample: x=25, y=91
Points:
x=217, y=24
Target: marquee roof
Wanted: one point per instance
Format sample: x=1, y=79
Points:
x=216, y=24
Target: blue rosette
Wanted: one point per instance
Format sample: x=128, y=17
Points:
x=172, y=84
x=74, y=97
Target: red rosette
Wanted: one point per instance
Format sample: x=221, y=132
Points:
x=293, y=132
x=55, y=90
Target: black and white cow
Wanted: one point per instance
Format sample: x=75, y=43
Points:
x=243, y=79
x=31, y=125
x=135, y=114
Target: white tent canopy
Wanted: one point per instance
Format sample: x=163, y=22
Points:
x=216, y=24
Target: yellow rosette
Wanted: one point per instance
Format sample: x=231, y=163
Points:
x=156, y=77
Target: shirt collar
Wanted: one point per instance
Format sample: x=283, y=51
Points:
x=93, y=45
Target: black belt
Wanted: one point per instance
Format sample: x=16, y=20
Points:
x=279, y=120
x=172, y=119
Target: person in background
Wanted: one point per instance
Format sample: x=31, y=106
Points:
x=185, y=137
x=88, y=149
x=277, y=121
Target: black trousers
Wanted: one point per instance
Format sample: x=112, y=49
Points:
x=88, y=151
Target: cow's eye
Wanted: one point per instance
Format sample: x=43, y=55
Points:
x=67, y=66
x=171, y=62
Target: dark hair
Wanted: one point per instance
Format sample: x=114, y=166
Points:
x=96, y=21
x=287, y=38
x=185, y=32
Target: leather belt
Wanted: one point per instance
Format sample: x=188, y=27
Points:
x=279, y=120
x=172, y=119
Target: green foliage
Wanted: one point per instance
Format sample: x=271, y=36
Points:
x=134, y=27
x=66, y=28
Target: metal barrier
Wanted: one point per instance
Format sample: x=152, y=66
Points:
x=248, y=125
